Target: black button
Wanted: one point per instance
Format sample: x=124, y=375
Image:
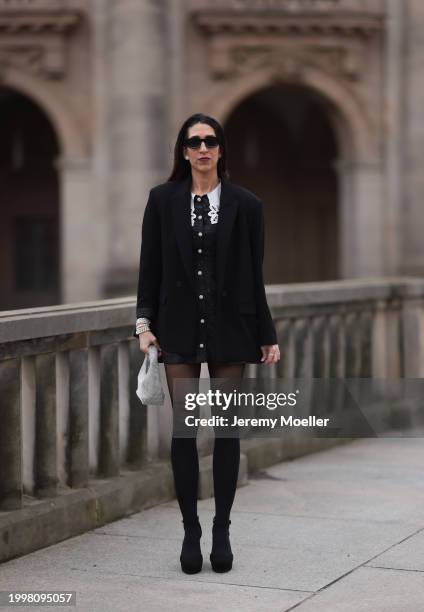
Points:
x=224, y=293
x=179, y=283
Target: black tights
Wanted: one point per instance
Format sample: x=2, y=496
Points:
x=185, y=459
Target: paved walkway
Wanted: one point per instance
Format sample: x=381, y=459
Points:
x=340, y=530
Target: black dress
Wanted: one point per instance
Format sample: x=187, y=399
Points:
x=204, y=249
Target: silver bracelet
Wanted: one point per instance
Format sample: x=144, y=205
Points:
x=142, y=325
x=142, y=320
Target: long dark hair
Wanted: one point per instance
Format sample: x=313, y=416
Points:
x=182, y=167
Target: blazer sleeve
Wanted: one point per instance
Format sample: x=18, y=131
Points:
x=150, y=267
x=267, y=333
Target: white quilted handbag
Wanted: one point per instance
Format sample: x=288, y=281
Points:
x=149, y=386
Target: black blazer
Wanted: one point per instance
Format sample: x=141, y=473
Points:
x=166, y=290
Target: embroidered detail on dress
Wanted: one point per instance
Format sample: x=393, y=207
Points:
x=213, y=205
x=213, y=212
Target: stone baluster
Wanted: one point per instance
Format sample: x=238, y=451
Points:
x=109, y=411
x=137, y=443
x=379, y=340
x=124, y=401
x=365, y=324
x=10, y=436
x=352, y=345
x=45, y=425
x=289, y=336
x=78, y=411
x=28, y=381
x=304, y=347
x=413, y=337
x=337, y=360
x=321, y=347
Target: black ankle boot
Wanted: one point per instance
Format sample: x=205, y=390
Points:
x=221, y=556
x=191, y=555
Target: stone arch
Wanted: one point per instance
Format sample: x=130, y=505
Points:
x=30, y=228
x=354, y=130
x=74, y=172
x=360, y=168
x=73, y=145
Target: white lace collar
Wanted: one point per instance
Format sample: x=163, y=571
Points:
x=214, y=200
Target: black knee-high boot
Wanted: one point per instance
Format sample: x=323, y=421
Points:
x=185, y=467
x=191, y=554
x=185, y=464
x=226, y=463
x=221, y=556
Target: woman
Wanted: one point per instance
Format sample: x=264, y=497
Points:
x=201, y=298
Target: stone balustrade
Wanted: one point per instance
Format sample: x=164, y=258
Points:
x=69, y=413
x=67, y=375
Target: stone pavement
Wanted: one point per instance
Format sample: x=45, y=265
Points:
x=336, y=531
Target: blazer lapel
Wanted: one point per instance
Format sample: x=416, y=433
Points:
x=226, y=216
x=182, y=223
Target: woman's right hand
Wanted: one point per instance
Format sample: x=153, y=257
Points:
x=146, y=338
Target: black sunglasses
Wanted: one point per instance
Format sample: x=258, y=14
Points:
x=195, y=142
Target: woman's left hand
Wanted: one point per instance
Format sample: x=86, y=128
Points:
x=270, y=353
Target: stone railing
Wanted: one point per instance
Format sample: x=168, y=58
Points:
x=324, y=7
x=343, y=329
x=38, y=5
x=67, y=375
x=70, y=418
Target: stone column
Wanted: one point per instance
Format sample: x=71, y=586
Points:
x=361, y=219
x=413, y=126
x=394, y=110
x=176, y=84
x=80, y=224
x=136, y=129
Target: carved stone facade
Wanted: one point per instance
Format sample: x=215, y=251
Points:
x=35, y=36
x=117, y=79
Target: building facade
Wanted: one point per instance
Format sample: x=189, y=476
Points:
x=320, y=101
